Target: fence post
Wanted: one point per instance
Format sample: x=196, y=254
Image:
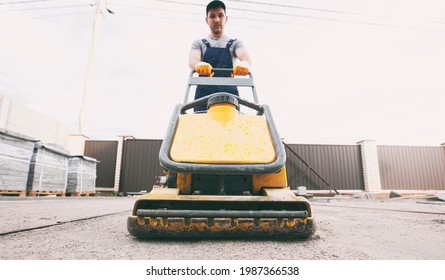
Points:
x=370, y=165
x=119, y=158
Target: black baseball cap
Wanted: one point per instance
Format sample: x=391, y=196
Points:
x=215, y=4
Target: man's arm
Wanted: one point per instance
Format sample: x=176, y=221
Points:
x=195, y=58
x=242, y=67
x=203, y=68
x=243, y=55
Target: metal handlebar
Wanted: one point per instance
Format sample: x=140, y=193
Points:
x=204, y=100
x=220, y=81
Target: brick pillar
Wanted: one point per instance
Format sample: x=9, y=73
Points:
x=76, y=144
x=119, y=157
x=370, y=162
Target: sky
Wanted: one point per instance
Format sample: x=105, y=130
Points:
x=332, y=72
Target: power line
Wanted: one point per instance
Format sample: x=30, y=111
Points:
x=340, y=20
x=25, y=2
x=195, y=13
x=285, y=14
x=63, y=14
x=294, y=7
x=306, y=16
x=302, y=8
x=150, y=8
x=297, y=15
x=178, y=2
x=331, y=11
x=46, y=8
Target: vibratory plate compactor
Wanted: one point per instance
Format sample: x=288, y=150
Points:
x=226, y=174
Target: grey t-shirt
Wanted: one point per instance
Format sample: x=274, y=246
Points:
x=218, y=43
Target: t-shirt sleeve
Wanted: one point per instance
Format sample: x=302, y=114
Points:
x=196, y=45
x=237, y=44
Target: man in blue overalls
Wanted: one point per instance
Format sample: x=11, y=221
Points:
x=217, y=51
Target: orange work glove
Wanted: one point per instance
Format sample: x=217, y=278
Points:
x=241, y=69
x=203, y=68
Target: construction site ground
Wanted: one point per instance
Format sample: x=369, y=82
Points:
x=94, y=228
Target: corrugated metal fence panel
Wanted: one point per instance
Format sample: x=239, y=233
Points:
x=412, y=168
x=105, y=152
x=340, y=165
x=140, y=165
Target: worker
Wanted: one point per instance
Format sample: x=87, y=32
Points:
x=217, y=51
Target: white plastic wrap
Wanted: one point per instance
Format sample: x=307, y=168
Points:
x=49, y=171
x=81, y=175
x=15, y=158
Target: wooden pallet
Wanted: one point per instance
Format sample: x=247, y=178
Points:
x=81, y=194
x=13, y=193
x=45, y=193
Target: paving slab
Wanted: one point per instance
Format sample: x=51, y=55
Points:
x=20, y=213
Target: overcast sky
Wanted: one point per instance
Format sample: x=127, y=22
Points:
x=333, y=72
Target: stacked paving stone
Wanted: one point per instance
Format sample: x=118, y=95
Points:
x=81, y=175
x=15, y=157
x=48, y=172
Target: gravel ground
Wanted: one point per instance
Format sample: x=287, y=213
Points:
x=94, y=228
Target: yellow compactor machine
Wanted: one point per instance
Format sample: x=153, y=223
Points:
x=226, y=175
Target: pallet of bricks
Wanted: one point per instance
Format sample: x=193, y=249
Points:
x=15, y=157
x=81, y=176
x=48, y=173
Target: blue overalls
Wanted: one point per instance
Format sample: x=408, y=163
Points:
x=218, y=58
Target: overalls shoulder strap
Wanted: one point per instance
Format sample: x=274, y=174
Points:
x=206, y=43
x=230, y=43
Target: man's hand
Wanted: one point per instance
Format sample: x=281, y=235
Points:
x=241, y=69
x=203, y=68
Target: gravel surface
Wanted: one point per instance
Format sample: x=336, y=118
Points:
x=95, y=228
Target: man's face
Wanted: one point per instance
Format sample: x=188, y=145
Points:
x=216, y=19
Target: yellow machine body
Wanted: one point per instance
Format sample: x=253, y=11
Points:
x=222, y=136
x=194, y=226
x=259, y=181
x=227, y=179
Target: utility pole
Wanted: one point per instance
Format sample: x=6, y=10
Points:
x=91, y=67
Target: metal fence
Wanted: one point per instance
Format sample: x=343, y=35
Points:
x=140, y=165
x=322, y=167
x=318, y=167
x=105, y=152
x=412, y=168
